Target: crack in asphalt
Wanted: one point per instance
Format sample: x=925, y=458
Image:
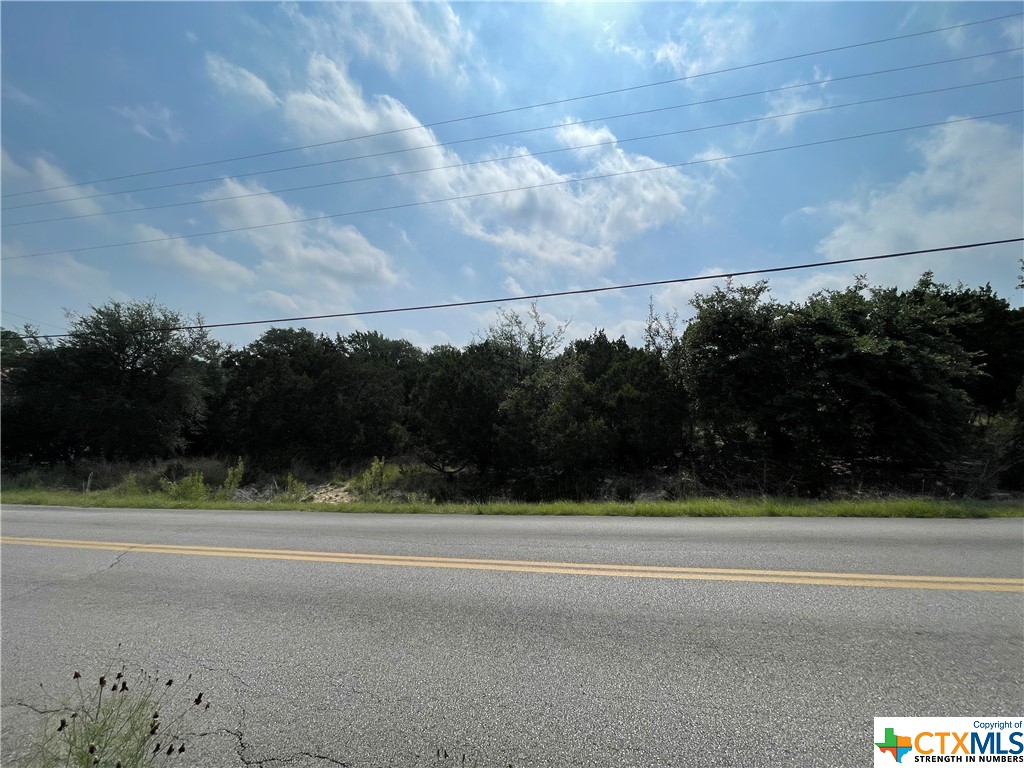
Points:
x=33, y=708
x=117, y=560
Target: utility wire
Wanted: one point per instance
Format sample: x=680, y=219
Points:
x=489, y=193
x=611, y=142
x=519, y=132
x=37, y=322
x=510, y=110
x=576, y=292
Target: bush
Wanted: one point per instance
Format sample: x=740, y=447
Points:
x=233, y=480
x=375, y=480
x=189, y=488
x=294, y=489
x=130, y=486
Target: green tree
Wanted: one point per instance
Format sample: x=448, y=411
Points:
x=128, y=382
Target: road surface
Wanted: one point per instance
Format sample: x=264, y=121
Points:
x=408, y=641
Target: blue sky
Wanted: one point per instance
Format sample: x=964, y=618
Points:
x=94, y=90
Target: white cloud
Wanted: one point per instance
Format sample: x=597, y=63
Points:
x=46, y=175
x=10, y=170
x=400, y=34
x=572, y=226
x=201, y=262
x=310, y=265
x=16, y=94
x=191, y=36
x=1013, y=31
x=565, y=225
x=151, y=120
x=233, y=79
x=786, y=103
x=968, y=189
x=62, y=270
x=333, y=107
x=612, y=41
x=705, y=42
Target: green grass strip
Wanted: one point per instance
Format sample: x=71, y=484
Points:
x=701, y=507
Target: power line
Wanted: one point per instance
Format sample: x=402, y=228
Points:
x=506, y=134
x=611, y=142
x=510, y=110
x=37, y=322
x=489, y=193
x=575, y=292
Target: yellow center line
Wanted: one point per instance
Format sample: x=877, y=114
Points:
x=526, y=566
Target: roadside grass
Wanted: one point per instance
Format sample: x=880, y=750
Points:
x=129, y=496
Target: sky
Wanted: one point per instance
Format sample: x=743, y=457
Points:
x=708, y=179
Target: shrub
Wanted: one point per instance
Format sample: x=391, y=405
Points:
x=233, y=480
x=189, y=488
x=375, y=480
x=294, y=489
x=129, y=486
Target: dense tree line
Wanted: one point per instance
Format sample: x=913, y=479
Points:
x=868, y=387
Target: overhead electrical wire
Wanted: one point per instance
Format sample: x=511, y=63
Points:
x=37, y=322
x=574, y=292
x=610, y=142
x=475, y=195
x=518, y=132
x=740, y=67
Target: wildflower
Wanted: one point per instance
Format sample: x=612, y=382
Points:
x=103, y=681
x=76, y=676
x=199, y=699
x=63, y=724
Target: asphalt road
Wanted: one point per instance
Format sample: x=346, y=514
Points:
x=383, y=658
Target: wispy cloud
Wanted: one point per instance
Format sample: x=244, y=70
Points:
x=150, y=121
x=967, y=188
x=706, y=41
x=562, y=226
x=199, y=262
x=235, y=80
x=15, y=94
x=309, y=266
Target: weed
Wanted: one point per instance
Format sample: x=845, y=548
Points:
x=118, y=719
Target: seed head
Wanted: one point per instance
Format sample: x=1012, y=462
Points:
x=63, y=725
x=170, y=682
x=75, y=676
x=103, y=681
x=199, y=699
x=181, y=749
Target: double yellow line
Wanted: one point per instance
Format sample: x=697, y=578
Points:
x=571, y=569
